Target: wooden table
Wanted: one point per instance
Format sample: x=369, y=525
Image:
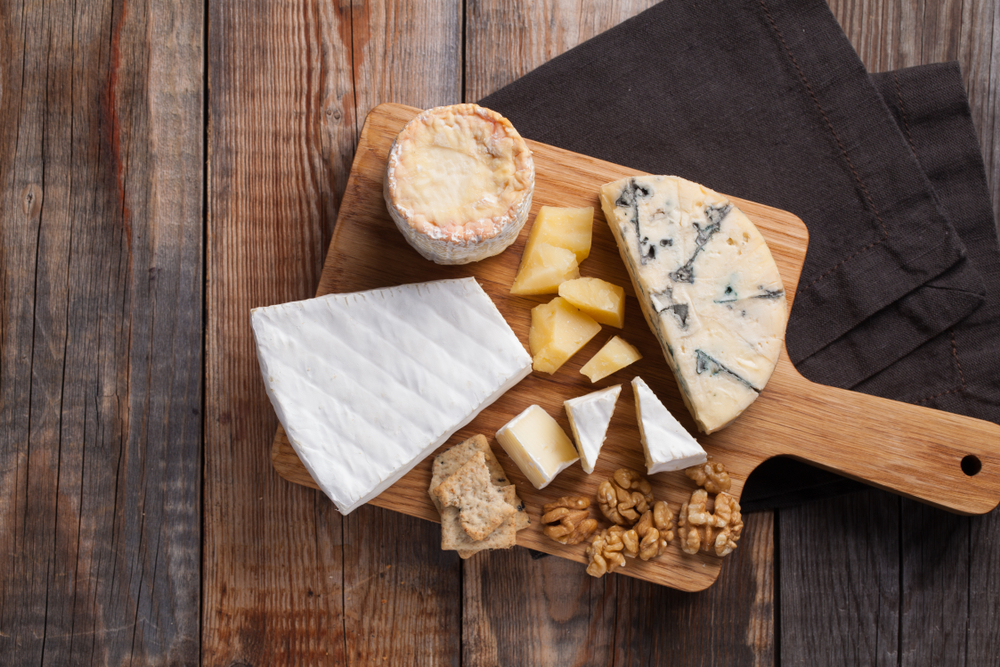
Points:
x=168, y=165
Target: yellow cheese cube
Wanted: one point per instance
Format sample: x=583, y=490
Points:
x=558, y=330
x=598, y=298
x=544, y=270
x=614, y=356
x=569, y=228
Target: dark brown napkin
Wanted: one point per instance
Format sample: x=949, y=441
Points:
x=767, y=100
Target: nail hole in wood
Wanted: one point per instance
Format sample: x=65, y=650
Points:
x=971, y=465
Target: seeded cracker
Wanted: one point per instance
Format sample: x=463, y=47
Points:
x=448, y=462
x=454, y=538
x=482, y=507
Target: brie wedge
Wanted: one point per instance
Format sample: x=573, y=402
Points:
x=665, y=442
x=458, y=183
x=589, y=417
x=538, y=445
x=368, y=384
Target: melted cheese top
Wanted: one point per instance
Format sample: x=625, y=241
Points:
x=458, y=172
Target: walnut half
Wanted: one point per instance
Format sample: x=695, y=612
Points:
x=651, y=535
x=567, y=520
x=711, y=476
x=716, y=532
x=624, y=497
x=605, y=552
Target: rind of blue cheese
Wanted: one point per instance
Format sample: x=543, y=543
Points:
x=708, y=288
x=368, y=384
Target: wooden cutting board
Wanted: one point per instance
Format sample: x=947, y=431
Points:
x=911, y=450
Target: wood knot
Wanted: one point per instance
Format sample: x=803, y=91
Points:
x=331, y=109
x=31, y=200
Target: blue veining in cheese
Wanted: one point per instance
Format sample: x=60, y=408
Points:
x=708, y=288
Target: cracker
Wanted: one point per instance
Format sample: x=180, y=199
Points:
x=482, y=507
x=449, y=461
x=454, y=538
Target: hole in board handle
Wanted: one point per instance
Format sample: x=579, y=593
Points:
x=971, y=465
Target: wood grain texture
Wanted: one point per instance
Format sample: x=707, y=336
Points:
x=402, y=593
x=840, y=581
x=523, y=611
x=287, y=579
x=100, y=332
x=505, y=40
x=282, y=120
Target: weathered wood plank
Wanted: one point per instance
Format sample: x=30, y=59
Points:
x=402, y=593
x=731, y=623
x=506, y=40
x=979, y=55
x=101, y=333
x=282, y=130
x=840, y=581
x=519, y=611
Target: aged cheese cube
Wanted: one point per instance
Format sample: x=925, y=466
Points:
x=557, y=331
x=538, y=445
x=614, y=356
x=603, y=301
x=546, y=269
x=665, y=442
x=569, y=228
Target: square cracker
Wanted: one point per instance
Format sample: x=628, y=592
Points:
x=482, y=507
x=454, y=537
x=448, y=462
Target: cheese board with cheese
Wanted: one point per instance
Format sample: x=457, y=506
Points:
x=947, y=460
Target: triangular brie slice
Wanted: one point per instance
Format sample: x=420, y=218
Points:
x=368, y=384
x=589, y=417
x=668, y=446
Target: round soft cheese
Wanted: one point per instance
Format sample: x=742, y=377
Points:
x=458, y=183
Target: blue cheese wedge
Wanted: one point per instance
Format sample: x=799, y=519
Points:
x=538, y=445
x=368, y=384
x=708, y=288
x=667, y=445
x=589, y=417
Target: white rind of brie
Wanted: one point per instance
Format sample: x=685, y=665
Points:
x=667, y=445
x=708, y=286
x=368, y=384
x=589, y=417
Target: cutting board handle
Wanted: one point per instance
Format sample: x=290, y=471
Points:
x=947, y=460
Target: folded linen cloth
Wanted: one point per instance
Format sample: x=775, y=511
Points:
x=767, y=100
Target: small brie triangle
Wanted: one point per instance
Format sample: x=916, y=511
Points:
x=668, y=446
x=589, y=417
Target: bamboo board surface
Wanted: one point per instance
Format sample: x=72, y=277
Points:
x=908, y=449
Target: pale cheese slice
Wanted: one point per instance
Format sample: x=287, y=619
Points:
x=667, y=445
x=589, y=418
x=538, y=445
x=368, y=384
